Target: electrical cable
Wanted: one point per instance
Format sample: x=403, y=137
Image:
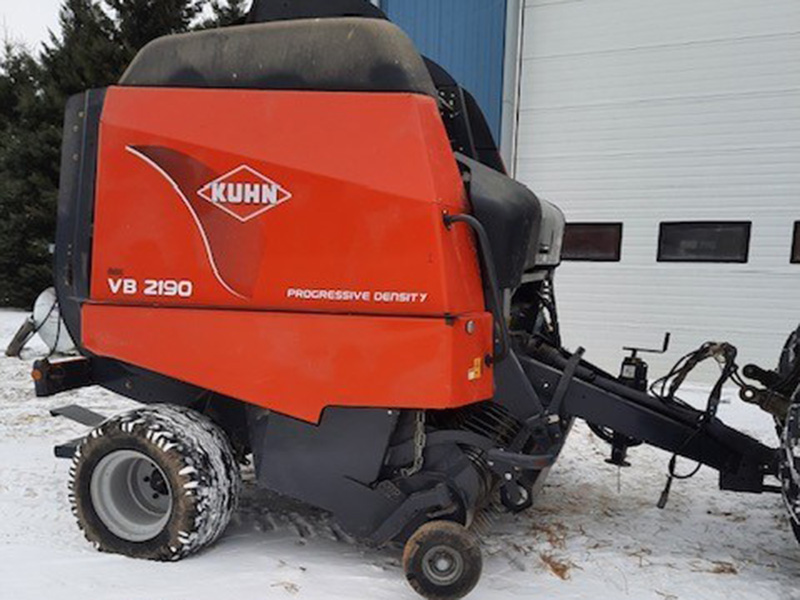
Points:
x=667, y=387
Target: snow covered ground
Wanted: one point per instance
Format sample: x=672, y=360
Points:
x=594, y=533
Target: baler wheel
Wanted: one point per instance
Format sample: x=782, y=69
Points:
x=158, y=483
x=442, y=561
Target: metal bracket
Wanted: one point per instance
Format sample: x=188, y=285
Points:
x=79, y=414
x=563, y=384
x=500, y=461
x=663, y=350
x=61, y=376
x=438, y=498
x=67, y=449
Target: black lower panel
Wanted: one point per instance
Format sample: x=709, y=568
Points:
x=330, y=465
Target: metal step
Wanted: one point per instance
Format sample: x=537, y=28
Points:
x=79, y=414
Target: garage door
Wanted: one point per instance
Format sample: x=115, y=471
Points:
x=680, y=121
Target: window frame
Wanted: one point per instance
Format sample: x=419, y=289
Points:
x=748, y=225
x=618, y=225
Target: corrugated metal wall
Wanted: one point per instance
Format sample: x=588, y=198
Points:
x=643, y=111
x=467, y=37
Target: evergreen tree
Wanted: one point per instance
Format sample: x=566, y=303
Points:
x=86, y=54
x=139, y=21
x=231, y=12
x=28, y=179
x=94, y=45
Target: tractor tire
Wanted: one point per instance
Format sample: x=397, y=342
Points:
x=790, y=355
x=442, y=561
x=158, y=483
x=789, y=465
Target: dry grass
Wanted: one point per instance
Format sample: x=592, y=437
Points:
x=558, y=567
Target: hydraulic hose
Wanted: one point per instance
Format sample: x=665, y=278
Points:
x=495, y=305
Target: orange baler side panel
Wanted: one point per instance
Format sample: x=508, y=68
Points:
x=309, y=201
x=286, y=249
x=299, y=364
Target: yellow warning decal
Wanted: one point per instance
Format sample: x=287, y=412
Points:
x=476, y=371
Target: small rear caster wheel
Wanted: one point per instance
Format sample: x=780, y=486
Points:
x=517, y=499
x=442, y=561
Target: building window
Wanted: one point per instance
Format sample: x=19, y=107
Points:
x=719, y=242
x=598, y=242
x=796, y=243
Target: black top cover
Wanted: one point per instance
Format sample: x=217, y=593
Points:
x=331, y=54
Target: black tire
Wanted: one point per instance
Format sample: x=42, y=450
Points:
x=442, y=561
x=789, y=466
x=790, y=355
x=190, y=463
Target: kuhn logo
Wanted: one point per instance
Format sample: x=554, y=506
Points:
x=244, y=193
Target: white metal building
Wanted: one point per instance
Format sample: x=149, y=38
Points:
x=648, y=115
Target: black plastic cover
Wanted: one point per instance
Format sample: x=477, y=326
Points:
x=485, y=147
x=511, y=215
x=76, y=206
x=464, y=120
x=332, y=54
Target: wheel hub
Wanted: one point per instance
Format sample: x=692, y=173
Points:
x=443, y=565
x=131, y=495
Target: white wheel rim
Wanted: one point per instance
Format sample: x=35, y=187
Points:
x=443, y=565
x=131, y=495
